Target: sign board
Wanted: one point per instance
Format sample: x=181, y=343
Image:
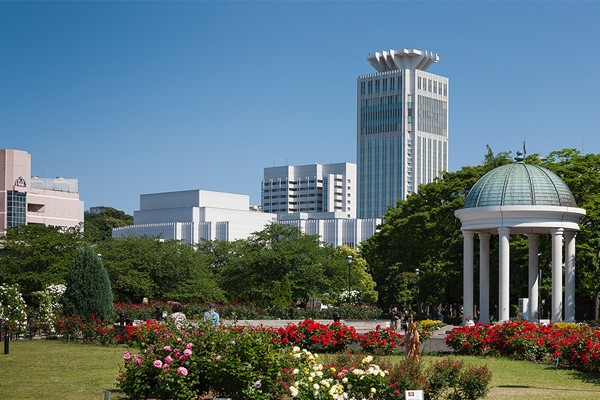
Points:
x=413, y=395
x=544, y=322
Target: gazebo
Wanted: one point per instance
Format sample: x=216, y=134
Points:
x=527, y=199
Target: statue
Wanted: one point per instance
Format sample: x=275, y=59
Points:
x=412, y=341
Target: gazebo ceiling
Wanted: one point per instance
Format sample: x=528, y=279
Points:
x=520, y=184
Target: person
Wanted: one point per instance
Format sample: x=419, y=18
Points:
x=178, y=316
x=395, y=314
x=211, y=316
x=442, y=317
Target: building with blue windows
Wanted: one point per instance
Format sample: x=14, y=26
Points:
x=402, y=128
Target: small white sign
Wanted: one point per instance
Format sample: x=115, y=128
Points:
x=413, y=395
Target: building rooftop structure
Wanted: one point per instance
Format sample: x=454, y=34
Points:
x=520, y=184
x=402, y=59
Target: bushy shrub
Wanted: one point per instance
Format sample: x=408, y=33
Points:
x=13, y=311
x=382, y=341
x=88, y=287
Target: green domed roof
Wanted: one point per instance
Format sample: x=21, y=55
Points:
x=520, y=184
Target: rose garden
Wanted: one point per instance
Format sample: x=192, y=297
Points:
x=72, y=289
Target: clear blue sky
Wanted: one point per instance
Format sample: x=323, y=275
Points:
x=144, y=97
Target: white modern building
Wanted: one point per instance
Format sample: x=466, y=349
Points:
x=324, y=191
x=402, y=128
x=192, y=215
x=335, y=231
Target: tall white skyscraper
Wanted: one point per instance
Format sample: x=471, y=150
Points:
x=402, y=128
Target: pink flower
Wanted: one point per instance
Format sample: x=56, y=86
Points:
x=138, y=360
x=179, y=340
x=120, y=374
x=181, y=358
x=127, y=356
x=167, y=348
x=168, y=360
x=182, y=371
x=158, y=364
x=187, y=352
x=189, y=345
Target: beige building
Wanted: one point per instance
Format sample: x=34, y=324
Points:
x=26, y=200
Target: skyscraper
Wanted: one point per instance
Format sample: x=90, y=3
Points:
x=402, y=128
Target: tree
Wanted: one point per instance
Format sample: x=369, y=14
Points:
x=256, y=266
x=88, y=290
x=148, y=267
x=99, y=226
x=364, y=282
x=34, y=256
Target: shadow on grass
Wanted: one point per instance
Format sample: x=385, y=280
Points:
x=585, y=377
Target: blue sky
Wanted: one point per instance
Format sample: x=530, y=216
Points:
x=144, y=97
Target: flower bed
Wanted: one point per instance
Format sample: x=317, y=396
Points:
x=244, y=362
x=577, y=345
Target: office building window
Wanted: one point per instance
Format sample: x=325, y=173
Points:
x=16, y=209
x=385, y=85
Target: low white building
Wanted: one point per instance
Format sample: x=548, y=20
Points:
x=191, y=215
x=335, y=231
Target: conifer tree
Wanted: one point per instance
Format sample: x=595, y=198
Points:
x=88, y=287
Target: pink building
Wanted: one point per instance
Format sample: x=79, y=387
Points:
x=26, y=200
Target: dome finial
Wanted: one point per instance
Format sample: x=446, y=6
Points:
x=519, y=157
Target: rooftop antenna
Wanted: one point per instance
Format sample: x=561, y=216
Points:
x=524, y=147
x=286, y=161
x=332, y=159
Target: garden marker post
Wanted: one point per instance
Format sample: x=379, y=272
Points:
x=158, y=313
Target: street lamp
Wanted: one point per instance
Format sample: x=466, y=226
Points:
x=418, y=304
x=349, y=265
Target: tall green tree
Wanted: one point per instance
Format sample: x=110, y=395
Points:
x=35, y=256
x=149, y=267
x=99, y=226
x=88, y=290
x=256, y=266
x=363, y=281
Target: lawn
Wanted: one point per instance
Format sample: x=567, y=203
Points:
x=41, y=369
x=52, y=370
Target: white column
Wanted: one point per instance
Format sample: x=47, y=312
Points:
x=504, y=275
x=484, y=278
x=570, y=276
x=533, y=276
x=468, y=237
x=557, y=237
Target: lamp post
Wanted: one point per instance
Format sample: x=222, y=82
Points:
x=349, y=265
x=418, y=303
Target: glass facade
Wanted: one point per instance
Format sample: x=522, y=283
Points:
x=16, y=210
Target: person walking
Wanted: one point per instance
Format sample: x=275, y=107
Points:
x=178, y=316
x=211, y=316
x=395, y=316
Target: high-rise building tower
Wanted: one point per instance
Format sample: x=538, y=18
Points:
x=322, y=190
x=402, y=128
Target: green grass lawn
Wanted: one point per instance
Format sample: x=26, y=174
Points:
x=42, y=369
x=53, y=370
x=526, y=380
